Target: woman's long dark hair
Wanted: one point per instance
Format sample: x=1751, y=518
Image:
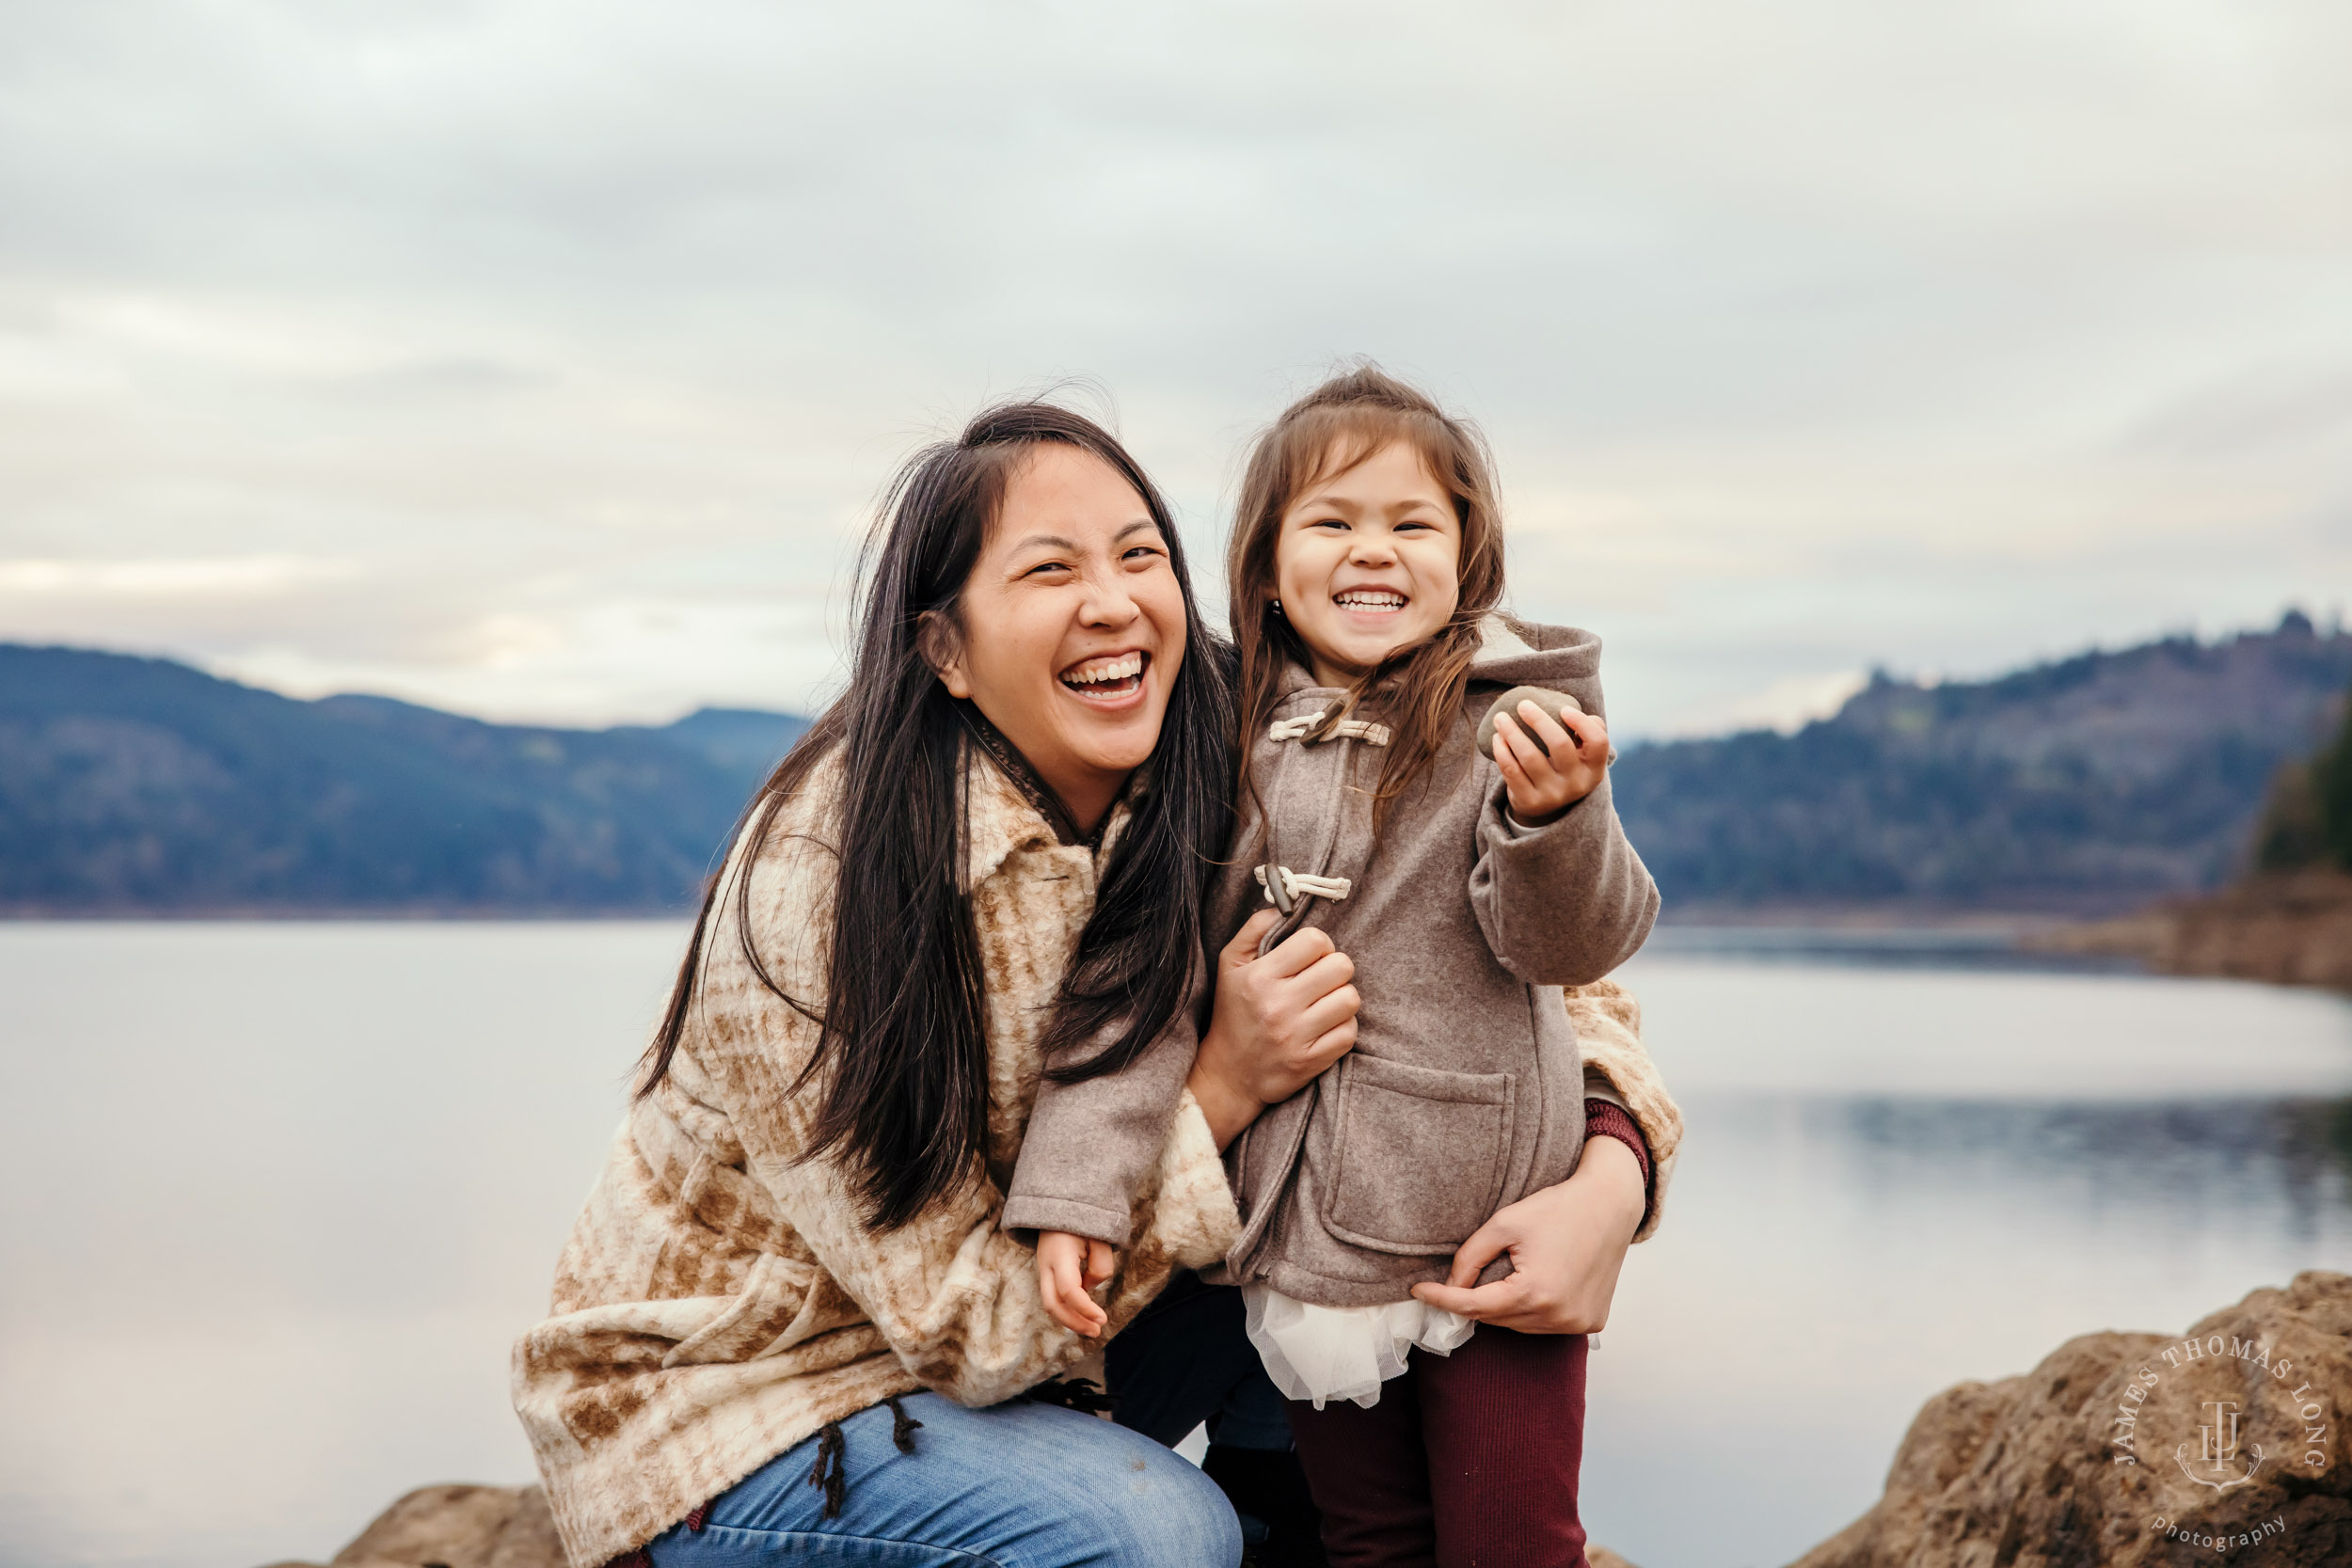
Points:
x=903, y=1057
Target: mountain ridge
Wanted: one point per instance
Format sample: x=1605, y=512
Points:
x=133, y=786
x=2085, y=785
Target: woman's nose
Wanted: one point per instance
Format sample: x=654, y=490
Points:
x=1108, y=604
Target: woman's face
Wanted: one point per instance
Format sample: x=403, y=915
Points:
x=1072, y=627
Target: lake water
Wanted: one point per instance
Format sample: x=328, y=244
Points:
x=275, y=1198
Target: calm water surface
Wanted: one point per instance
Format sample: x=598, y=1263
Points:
x=275, y=1198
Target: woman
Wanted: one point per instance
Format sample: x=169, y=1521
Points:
x=787, y=1321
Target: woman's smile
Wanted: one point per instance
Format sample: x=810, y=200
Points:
x=1109, y=681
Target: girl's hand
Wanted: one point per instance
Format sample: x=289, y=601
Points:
x=1566, y=1244
x=1067, y=1268
x=1542, y=787
x=1279, y=1021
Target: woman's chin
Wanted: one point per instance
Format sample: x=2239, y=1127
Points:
x=1120, y=742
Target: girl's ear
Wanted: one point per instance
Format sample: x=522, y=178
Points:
x=940, y=642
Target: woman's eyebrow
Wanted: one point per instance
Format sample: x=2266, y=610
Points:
x=1056, y=542
x=1046, y=541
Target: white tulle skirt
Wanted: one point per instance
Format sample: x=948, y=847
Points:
x=1344, y=1352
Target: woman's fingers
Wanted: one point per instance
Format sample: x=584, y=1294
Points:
x=1487, y=1243
x=1328, y=1012
x=1244, y=947
x=1297, y=953
x=1504, y=1298
x=1327, y=974
x=1331, y=1046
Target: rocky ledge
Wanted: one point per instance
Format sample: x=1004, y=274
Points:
x=2288, y=927
x=2119, y=1450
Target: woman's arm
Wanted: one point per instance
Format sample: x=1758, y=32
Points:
x=1280, y=1019
x=1568, y=1242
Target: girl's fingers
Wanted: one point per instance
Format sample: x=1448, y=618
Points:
x=1099, y=1262
x=1069, y=1304
x=1549, y=730
x=1527, y=764
x=1594, y=732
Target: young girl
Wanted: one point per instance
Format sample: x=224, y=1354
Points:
x=1427, y=781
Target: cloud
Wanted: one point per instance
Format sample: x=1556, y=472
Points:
x=1811, y=337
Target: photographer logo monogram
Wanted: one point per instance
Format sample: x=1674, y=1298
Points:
x=2202, y=1418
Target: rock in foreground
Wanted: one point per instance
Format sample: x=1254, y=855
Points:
x=2123, y=1449
x=458, y=1527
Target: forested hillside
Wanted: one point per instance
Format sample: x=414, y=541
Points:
x=137, y=786
x=2089, y=785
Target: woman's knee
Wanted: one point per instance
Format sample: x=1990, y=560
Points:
x=1155, y=1512
x=1167, y=1517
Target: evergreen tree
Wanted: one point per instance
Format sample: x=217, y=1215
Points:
x=2331, y=787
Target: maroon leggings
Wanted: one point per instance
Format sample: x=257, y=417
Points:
x=1469, y=1461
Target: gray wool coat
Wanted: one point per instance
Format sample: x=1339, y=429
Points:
x=1464, y=1092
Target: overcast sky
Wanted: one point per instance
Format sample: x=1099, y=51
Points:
x=541, y=361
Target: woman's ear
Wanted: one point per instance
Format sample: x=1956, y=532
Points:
x=940, y=642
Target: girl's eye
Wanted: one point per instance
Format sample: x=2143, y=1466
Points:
x=1337, y=523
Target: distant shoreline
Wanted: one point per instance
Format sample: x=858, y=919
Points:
x=2290, y=928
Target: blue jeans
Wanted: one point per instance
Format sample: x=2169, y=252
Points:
x=1012, y=1486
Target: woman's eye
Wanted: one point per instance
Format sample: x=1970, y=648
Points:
x=1146, y=552
x=1048, y=566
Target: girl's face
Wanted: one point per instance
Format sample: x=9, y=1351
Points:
x=1072, y=626
x=1367, y=562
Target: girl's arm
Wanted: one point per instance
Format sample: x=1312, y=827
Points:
x=1565, y=901
x=954, y=1295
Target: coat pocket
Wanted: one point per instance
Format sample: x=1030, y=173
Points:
x=1420, y=1157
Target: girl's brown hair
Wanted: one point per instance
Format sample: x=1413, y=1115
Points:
x=1327, y=432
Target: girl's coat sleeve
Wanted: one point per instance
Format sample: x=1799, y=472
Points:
x=953, y=1294
x=1090, y=1145
x=1566, y=903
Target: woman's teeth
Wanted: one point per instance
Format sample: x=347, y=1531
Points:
x=1369, y=598
x=1105, y=677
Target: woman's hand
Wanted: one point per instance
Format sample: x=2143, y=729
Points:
x=1068, y=1268
x=1278, y=1021
x=1543, y=783
x=1566, y=1244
